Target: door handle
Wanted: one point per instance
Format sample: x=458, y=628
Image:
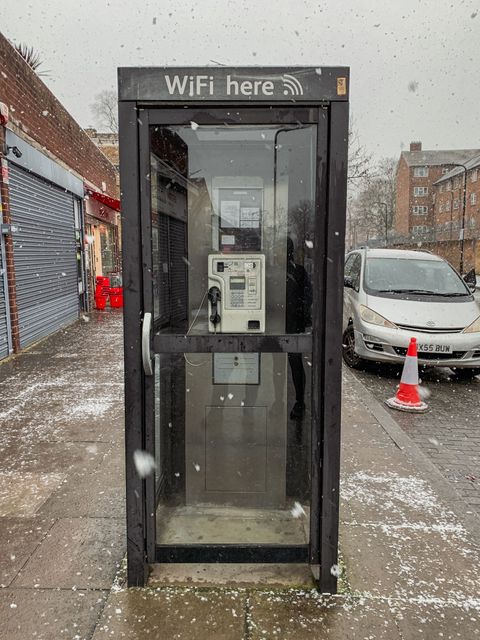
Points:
x=146, y=355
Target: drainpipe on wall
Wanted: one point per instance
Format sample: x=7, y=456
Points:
x=10, y=264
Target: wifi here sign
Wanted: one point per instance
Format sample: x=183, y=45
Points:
x=199, y=85
x=260, y=84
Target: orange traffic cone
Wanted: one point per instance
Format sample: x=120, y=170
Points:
x=407, y=397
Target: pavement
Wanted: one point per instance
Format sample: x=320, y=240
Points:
x=409, y=543
x=449, y=433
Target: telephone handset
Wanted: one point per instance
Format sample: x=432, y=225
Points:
x=236, y=293
x=214, y=296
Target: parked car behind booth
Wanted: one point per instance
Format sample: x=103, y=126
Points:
x=393, y=295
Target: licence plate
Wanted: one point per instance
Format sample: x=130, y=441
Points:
x=434, y=348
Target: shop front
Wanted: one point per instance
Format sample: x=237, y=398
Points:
x=102, y=236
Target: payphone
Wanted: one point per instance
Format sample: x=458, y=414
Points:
x=236, y=293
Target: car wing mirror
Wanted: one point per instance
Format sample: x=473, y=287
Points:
x=348, y=282
x=470, y=279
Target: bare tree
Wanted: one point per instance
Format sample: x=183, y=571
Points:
x=359, y=159
x=105, y=110
x=372, y=209
x=31, y=57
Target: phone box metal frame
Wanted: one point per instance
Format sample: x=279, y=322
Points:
x=252, y=95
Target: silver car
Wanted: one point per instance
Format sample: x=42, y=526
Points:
x=393, y=295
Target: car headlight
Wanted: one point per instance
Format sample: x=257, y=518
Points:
x=474, y=327
x=368, y=315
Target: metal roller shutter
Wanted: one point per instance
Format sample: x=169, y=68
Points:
x=178, y=271
x=163, y=270
x=170, y=269
x=4, y=350
x=44, y=255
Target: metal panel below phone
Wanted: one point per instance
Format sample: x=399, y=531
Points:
x=236, y=456
x=236, y=368
x=235, y=434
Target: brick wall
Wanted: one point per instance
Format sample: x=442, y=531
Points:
x=450, y=251
x=37, y=112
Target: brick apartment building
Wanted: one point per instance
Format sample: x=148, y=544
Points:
x=417, y=172
x=451, y=221
x=48, y=166
x=448, y=205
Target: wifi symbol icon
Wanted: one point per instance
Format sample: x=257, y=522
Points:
x=291, y=86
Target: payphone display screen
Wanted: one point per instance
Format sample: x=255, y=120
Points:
x=237, y=283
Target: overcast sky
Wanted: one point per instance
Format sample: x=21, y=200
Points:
x=415, y=72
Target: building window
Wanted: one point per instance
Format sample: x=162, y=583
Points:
x=473, y=198
x=455, y=183
x=441, y=208
x=448, y=186
x=442, y=188
x=420, y=191
x=418, y=229
x=419, y=210
x=455, y=203
x=445, y=170
x=474, y=175
x=420, y=172
x=447, y=205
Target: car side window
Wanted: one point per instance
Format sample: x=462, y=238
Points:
x=355, y=271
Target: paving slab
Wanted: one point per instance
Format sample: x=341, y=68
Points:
x=30, y=455
x=37, y=614
x=232, y=575
x=307, y=616
x=22, y=493
x=99, y=493
x=410, y=562
x=435, y=620
x=69, y=420
x=19, y=539
x=390, y=497
x=355, y=413
x=80, y=553
x=138, y=614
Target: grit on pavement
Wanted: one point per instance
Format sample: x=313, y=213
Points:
x=62, y=519
x=409, y=547
x=449, y=433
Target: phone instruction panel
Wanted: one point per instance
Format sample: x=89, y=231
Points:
x=240, y=218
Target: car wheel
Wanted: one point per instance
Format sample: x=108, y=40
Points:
x=466, y=374
x=348, y=349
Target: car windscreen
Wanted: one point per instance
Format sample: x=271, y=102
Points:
x=412, y=276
